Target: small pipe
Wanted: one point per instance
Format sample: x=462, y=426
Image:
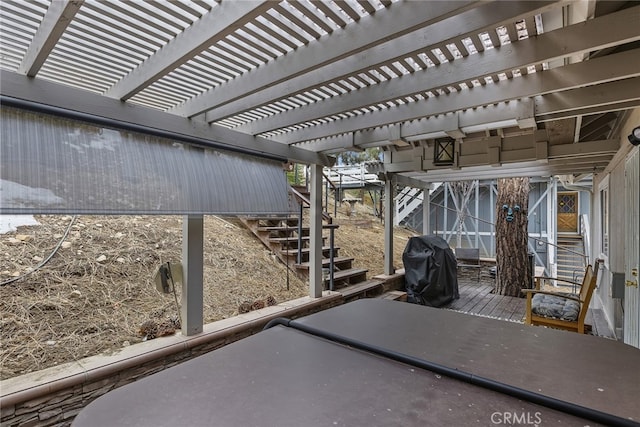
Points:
x=509, y=390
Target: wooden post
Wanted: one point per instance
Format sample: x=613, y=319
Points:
x=192, y=316
x=315, y=233
x=388, y=227
x=426, y=211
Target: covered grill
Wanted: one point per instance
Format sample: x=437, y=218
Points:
x=430, y=271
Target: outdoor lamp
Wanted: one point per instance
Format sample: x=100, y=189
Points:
x=634, y=137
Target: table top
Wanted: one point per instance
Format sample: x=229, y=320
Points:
x=285, y=377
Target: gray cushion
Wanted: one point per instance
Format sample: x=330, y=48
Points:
x=555, y=306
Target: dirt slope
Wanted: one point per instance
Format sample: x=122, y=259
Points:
x=97, y=289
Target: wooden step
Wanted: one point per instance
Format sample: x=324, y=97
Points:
x=570, y=264
x=305, y=251
x=305, y=230
x=568, y=254
x=281, y=228
x=350, y=276
x=570, y=273
x=259, y=221
x=367, y=288
x=292, y=239
x=337, y=262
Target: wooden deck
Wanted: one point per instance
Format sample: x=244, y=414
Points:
x=476, y=298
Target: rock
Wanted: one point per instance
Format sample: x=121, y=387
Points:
x=14, y=241
x=101, y=258
x=57, y=236
x=75, y=294
x=51, y=342
x=24, y=237
x=120, y=260
x=37, y=258
x=15, y=274
x=118, y=235
x=65, y=245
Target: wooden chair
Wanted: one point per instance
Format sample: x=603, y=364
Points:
x=562, y=310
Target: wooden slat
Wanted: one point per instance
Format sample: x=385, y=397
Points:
x=479, y=299
x=476, y=298
x=325, y=262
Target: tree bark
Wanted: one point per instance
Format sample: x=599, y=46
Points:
x=512, y=236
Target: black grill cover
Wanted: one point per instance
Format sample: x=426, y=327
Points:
x=430, y=271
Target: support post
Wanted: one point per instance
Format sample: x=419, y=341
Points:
x=388, y=227
x=315, y=233
x=192, y=316
x=492, y=214
x=445, y=222
x=426, y=210
x=477, y=211
x=552, y=237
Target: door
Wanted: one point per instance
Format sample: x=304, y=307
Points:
x=632, y=250
x=567, y=209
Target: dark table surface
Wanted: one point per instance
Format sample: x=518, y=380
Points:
x=285, y=377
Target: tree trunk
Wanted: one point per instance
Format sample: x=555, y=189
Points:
x=512, y=236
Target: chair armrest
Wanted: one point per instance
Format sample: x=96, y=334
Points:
x=537, y=291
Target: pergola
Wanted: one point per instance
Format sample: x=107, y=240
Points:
x=519, y=88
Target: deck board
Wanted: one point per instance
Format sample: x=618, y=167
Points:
x=477, y=298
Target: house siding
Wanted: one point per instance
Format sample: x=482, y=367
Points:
x=612, y=307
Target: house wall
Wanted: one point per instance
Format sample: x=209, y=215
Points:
x=486, y=213
x=614, y=173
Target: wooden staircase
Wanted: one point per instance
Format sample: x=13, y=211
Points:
x=571, y=264
x=280, y=235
